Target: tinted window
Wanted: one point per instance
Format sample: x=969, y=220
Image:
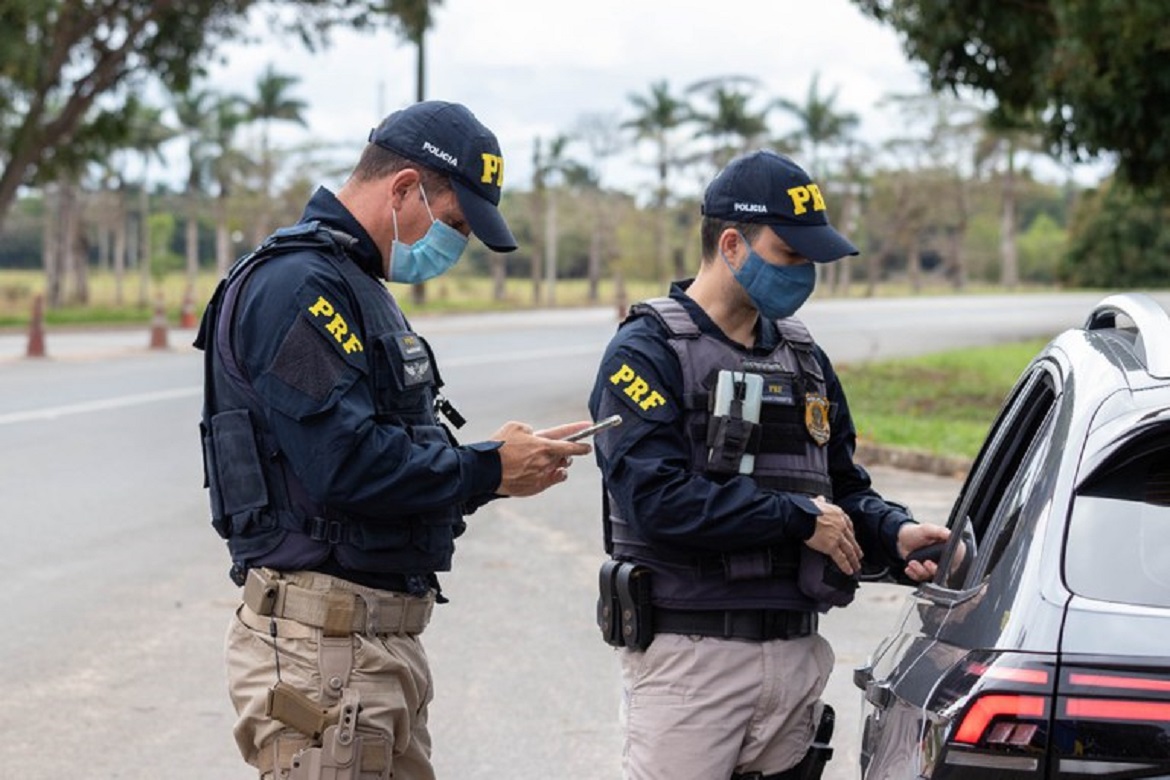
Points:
x=1118, y=545
x=1005, y=468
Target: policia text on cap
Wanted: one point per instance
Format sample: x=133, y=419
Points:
x=337, y=486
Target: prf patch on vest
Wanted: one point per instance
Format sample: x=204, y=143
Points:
x=778, y=389
x=638, y=387
x=324, y=311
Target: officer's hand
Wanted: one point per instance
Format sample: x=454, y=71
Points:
x=532, y=462
x=833, y=536
x=914, y=536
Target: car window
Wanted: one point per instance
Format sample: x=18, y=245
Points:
x=995, y=487
x=1019, y=504
x=1118, y=546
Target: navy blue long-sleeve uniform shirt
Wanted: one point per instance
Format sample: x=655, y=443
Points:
x=342, y=456
x=645, y=461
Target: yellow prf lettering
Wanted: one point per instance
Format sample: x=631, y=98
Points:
x=337, y=327
x=322, y=308
x=802, y=195
x=493, y=169
x=652, y=400
x=624, y=374
x=637, y=388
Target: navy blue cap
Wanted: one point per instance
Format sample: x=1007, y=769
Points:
x=767, y=187
x=447, y=137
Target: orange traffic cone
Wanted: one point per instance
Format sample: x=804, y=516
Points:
x=158, y=327
x=187, y=313
x=36, y=328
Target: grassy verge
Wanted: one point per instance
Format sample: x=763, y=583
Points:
x=942, y=404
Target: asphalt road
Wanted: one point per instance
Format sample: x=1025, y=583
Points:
x=117, y=598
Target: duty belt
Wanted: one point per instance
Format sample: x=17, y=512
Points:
x=756, y=625
x=343, y=609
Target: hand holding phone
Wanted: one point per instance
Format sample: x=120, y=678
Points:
x=600, y=425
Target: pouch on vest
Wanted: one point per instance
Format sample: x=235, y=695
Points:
x=403, y=370
x=733, y=431
x=821, y=580
x=218, y=520
x=237, y=464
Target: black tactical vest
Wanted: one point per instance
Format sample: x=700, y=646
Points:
x=790, y=454
x=257, y=503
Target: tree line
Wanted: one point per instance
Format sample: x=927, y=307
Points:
x=935, y=201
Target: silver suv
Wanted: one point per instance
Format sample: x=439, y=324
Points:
x=1042, y=648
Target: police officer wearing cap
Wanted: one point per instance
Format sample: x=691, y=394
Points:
x=338, y=488
x=735, y=513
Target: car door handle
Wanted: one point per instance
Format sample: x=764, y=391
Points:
x=879, y=694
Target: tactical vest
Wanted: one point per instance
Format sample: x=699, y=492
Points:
x=788, y=445
x=257, y=503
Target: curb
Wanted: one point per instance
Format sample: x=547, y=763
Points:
x=913, y=460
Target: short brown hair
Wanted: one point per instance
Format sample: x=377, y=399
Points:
x=713, y=227
x=377, y=162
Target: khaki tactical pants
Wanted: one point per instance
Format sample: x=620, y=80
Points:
x=388, y=672
x=697, y=708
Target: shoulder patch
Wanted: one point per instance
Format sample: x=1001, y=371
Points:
x=638, y=387
x=324, y=311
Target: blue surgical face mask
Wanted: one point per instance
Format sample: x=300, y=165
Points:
x=432, y=255
x=777, y=291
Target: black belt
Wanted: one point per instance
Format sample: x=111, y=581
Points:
x=756, y=625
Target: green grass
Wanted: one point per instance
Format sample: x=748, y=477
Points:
x=457, y=292
x=941, y=404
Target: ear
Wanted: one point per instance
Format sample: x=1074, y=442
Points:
x=733, y=246
x=400, y=184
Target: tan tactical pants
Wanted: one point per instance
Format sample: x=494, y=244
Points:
x=698, y=708
x=389, y=672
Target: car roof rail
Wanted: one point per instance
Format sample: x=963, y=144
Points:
x=1151, y=321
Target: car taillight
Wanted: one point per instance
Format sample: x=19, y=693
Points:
x=996, y=710
x=1112, y=722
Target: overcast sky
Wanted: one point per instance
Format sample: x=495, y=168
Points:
x=530, y=68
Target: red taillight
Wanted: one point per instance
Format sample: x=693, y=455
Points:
x=1114, y=722
x=1009, y=673
x=1119, y=681
x=1116, y=709
x=988, y=707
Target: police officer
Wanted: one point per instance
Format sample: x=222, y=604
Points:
x=735, y=513
x=339, y=490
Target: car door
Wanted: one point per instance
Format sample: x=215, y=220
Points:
x=946, y=619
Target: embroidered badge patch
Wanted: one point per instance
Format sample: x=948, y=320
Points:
x=816, y=417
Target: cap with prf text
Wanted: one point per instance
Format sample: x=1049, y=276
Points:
x=767, y=187
x=447, y=138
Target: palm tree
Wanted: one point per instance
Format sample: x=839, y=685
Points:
x=228, y=113
x=272, y=103
x=659, y=115
x=601, y=136
x=732, y=127
x=820, y=123
x=1001, y=141
x=191, y=110
x=413, y=18
x=147, y=135
x=556, y=170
